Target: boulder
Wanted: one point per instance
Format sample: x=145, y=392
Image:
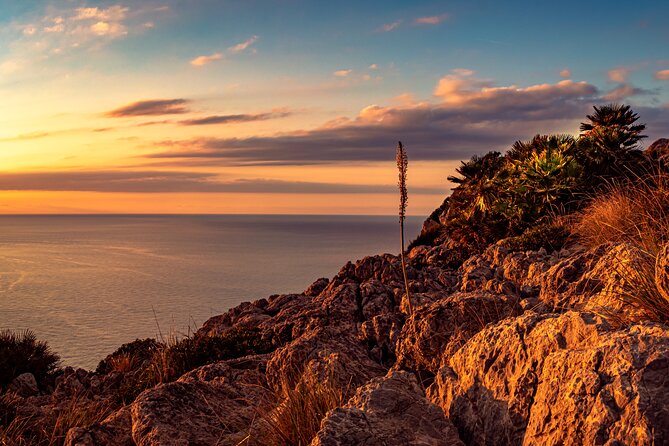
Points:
x=388, y=411
x=24, y=385
x=116, y=430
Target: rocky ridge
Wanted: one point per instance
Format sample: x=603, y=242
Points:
x=505, y=349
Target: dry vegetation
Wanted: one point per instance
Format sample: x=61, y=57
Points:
x=637, y=214
x=296, y=420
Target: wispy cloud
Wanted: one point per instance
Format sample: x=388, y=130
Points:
x=238, y=118
x=59, y=31
x=431, y=20
x=619, y=74
x=204, y=60
x=233, y=50
x=390, y=26
x=152, y=107
x=243, y=46
x=626, y=90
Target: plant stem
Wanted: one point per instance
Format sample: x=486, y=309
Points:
x=404, y=269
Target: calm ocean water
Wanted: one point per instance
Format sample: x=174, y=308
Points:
x=88, y=284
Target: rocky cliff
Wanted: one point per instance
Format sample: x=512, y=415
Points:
x=507, y=348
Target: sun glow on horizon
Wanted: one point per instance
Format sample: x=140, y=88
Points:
x=150, y=107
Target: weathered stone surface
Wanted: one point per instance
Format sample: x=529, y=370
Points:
x=332, y=350
x=389, y=411
x=538, y=379
x=24, y=385
x=215, y=404
x=437, y=331
x=611, y=391
x=317, y=287
x=596, y=280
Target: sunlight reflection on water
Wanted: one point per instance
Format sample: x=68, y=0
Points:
x=87, y=284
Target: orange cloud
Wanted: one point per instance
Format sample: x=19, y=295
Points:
x=204, y=60
x=619, y=74
x=662, y=75
x=432, y=20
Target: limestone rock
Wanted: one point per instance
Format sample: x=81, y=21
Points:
x=538, y=379
x=215, y=404
x=331, y=350
x=24, y=385
x=388, y=411
x=659, y=149
x=437, y=331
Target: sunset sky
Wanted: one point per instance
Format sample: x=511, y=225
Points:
x=215, y=106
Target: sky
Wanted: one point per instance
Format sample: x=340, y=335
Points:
x=296, y=107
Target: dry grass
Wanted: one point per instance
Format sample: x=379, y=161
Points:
x=51, y=429
x=297, y=419
x=636, y=214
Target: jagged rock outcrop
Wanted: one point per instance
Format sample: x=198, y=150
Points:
x=388, y=411
x=436, y=331
x=538, y=379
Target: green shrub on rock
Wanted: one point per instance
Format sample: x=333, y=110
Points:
x=550, y=236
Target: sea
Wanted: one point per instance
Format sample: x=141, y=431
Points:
x=88, y=284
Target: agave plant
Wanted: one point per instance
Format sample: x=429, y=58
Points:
x=545, y=177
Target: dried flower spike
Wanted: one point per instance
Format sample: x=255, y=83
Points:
x=402, y=163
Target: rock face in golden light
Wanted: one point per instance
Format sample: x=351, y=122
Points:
x=515, y=359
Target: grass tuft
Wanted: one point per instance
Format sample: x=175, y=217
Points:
x=21, y=352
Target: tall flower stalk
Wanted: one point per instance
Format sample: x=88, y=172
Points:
x=402, y=163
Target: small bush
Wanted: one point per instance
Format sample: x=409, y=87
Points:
x=550, y=236
x=133, y=354
x=23, y=353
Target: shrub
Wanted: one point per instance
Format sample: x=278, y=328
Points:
x=133, y=353
x=550, y=236
x=23, y=353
